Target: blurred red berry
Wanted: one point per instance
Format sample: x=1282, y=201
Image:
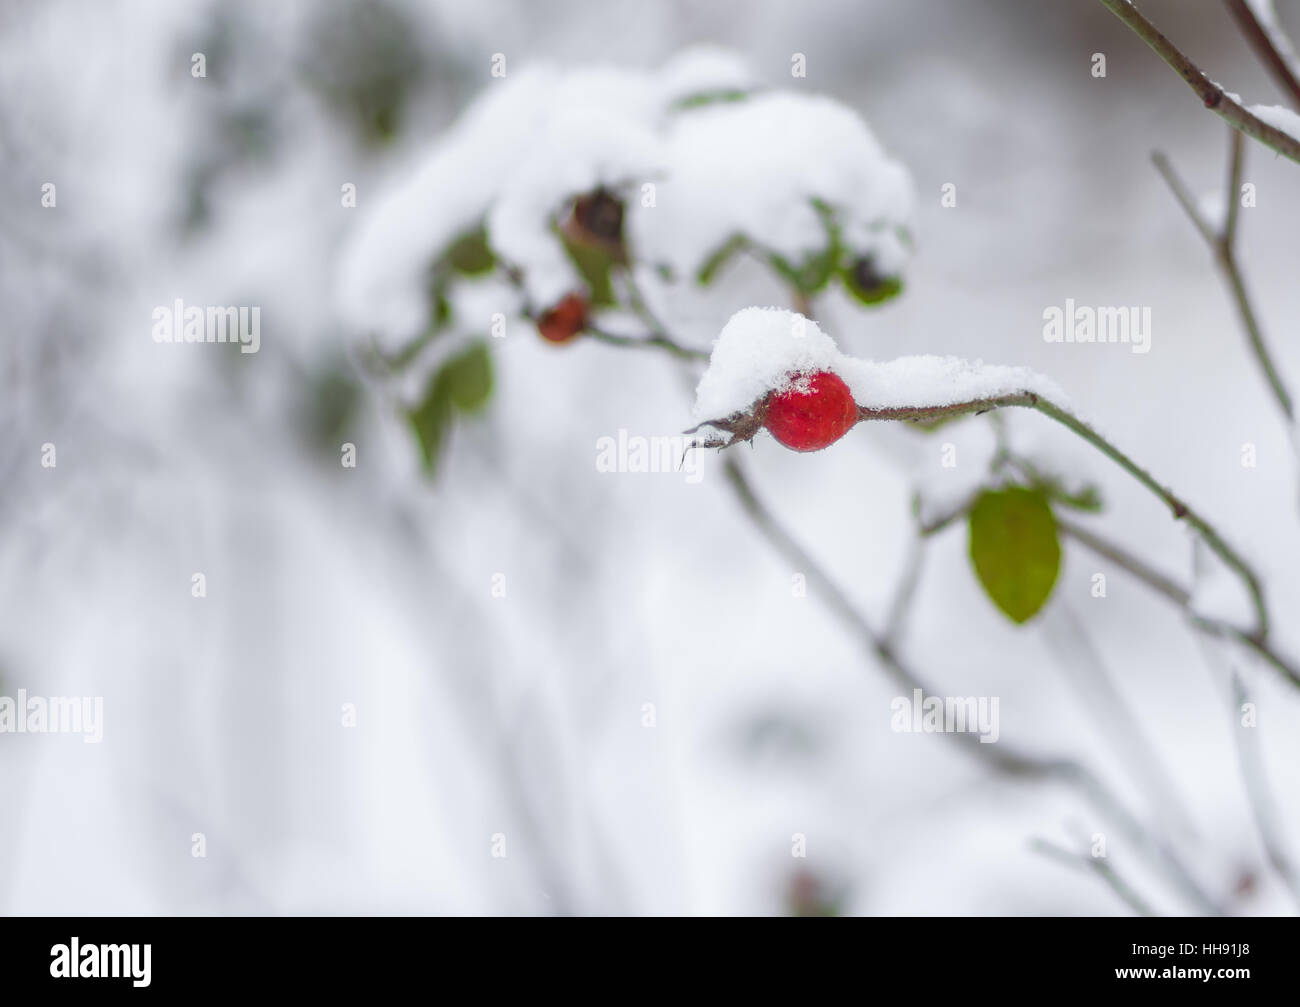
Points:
x=564, y=321
x=815, y=412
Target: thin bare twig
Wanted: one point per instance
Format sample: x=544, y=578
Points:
x=641, y=307
x=1236, y=162
x=1152, y=578
x=1099, y=866
x=1222, y=244
x=905, y=591
x=1001, y=757
x=1262, y=649
x=1179, y=595
x=1092, y=679
x=932, y=527
x=1184, y=197
x=1253, y=776
x=1210, y=93
x=1257, y=792
x=1271, y=46
x=653, y=341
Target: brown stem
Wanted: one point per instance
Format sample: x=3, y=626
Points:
x=1178, y=595
x=1257, y=791
x=1222, y=244
x=1270, y=46
x=1211, y=95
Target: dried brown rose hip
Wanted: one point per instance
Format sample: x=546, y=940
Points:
x=599, y=216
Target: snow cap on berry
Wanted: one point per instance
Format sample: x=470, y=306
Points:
x=761, y=350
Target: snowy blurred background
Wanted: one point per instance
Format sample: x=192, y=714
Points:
x=606, y=676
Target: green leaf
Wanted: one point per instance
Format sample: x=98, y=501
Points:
x=593, y=264
x=815, y=271
x=431, y=420
x=711, y=98
x=719, y=258
x=462, y=384
x=466, y=379
x=811, y=275
x=863, y=282
x=470, y=253
x=1015, y=549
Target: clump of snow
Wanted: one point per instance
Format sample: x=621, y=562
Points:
x=382, y=280
x=764, y=349
x=938, y=381
x=580, y=151
x=1278, y=117
x=758, y=351
x=771, y=168
x=704, y=71
x=754, y=169
x=529, y=141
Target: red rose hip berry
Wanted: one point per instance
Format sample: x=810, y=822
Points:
x=564, y=321
x=815, y=412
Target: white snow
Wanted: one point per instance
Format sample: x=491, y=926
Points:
x=753, y=169
x=758, y=351
x=1278, y=117
x=939, y=381
x=1264, y=12
x=578, y=152
x=763, y=349
x=544, y=135
x=1232, y=96
x=384, y=267
x=536, y=136
x=702, y=71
